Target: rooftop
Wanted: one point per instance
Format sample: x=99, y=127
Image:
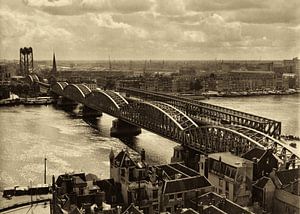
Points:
x=262, y=182
x=220, y=202
x=252, y=72
x=126, y=158
x=229, y=158
x=287, y=177
x=132, y=209
x=254, y=153
x=185, y=184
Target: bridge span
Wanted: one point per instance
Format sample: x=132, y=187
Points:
x=212, y=114
x=175, y=119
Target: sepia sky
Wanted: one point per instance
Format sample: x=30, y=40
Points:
x=151, y=29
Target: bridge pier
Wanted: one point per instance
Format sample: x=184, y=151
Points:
x=88, y=112
x=66, y=104
x=121, y=128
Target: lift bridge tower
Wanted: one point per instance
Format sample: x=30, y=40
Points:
x=26, y=61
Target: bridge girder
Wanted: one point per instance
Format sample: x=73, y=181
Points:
x=107, y=101
x=32, y=78
x=58, y=88
x=212, y=114
x=76, y=92
x=281, y=149
x=168, y=120
x=158, y=117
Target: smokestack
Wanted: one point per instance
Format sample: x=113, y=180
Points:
x=143, y=155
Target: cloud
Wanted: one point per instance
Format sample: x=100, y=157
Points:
x=217, y=5
x=251, y=11
x=170, y=7
x=169, y=29
x=77, y=7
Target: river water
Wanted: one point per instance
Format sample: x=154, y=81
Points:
x=28, y=134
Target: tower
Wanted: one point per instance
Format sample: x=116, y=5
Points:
x=26, y=61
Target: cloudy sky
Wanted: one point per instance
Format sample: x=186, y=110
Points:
x=151, y=29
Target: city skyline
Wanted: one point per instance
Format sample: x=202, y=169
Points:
x=150, y=29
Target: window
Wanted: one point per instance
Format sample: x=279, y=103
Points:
x=179, y=195
x=227, y=186
x=171, y=197
x=220, y=191
x=227, y=195
x=155, y=207
x=155, y=194
x=122, y=172
x=202, y=166
x=169, y=209
x=220, y=182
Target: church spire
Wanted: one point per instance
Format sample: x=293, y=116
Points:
x=54, y=70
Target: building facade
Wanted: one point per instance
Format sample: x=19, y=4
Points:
x=231, y=175
x=162, y=188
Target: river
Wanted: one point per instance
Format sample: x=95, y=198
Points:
x=28, y=134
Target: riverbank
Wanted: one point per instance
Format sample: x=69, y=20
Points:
x=26, y=101
x=249, y=93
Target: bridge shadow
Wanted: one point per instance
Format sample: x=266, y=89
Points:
x=73, y=111
x=104, y=130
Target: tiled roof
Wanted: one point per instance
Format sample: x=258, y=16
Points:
x=132, y=210
x=262, y=182
x=211, y=209
x=185, y=184
x=125, y=158
x=288, y=176
x=64, y=177
x=175, y=169
x=220, y=202
x=78, y=180
x=254, y=153
x=189, y=211
x=184, y=169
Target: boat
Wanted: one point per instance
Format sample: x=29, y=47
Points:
x=38, y=101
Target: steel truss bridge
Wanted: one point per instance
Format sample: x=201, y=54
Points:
x=178, y=119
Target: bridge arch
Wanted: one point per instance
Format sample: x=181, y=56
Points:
x=32, y=78
x=76, y=92
x=158, y=117
x=58, y=88
x=238, y=139
x=109, y=102
x=281, y=149
x=208, y=139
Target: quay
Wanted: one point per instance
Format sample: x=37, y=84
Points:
x=22, y=201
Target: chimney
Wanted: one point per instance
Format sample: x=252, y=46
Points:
x=143, y=155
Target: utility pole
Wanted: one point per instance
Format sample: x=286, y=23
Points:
x=45, y=170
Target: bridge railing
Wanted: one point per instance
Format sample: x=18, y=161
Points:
x=217, y=113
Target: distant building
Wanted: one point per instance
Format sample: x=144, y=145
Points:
x=190, y=71
x=91, y=85
x=182, y=83
x=251, y=80
x=4, y=75
x=230, y=174
x=289, y=80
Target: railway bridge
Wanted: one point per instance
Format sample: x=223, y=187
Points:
x=201, y=127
